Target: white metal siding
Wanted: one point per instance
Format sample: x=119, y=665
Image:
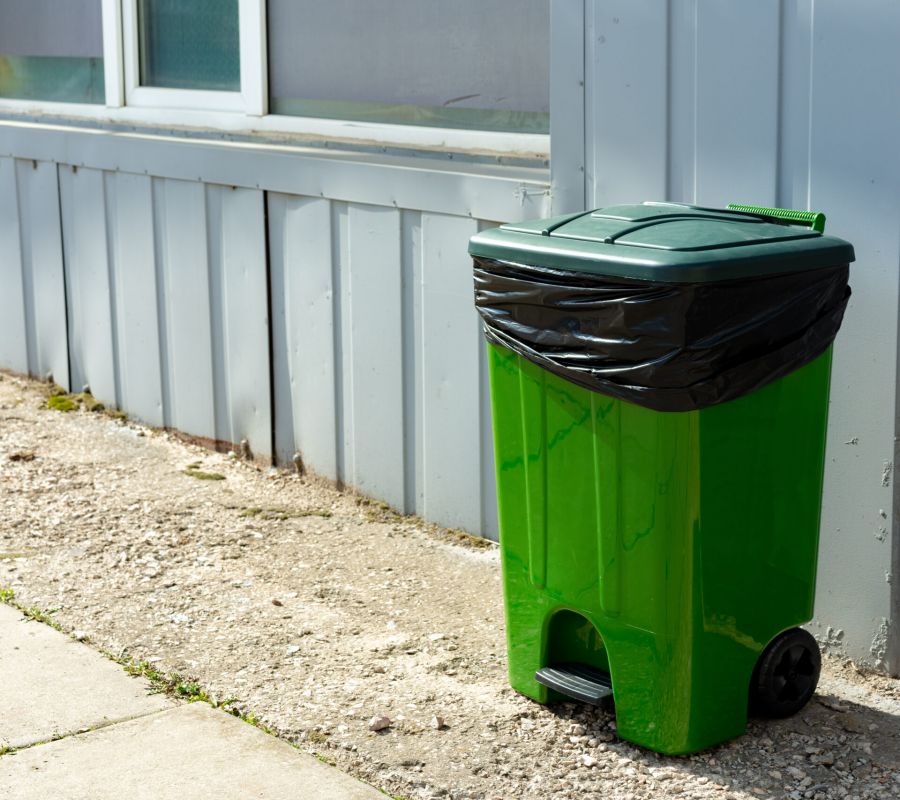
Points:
x=32, y=300
x=377, y=355
x=372, y=361
x=790, y=104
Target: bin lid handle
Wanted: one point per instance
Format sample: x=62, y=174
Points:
x=809, y=219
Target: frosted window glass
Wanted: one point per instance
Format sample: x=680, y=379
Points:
x=465, y=64
x=189, y=44
x=51, y=50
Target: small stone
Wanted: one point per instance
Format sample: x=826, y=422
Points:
x=379, y=723
x=292, y=649
x=436, y=637
x=276, y=602
x=437, y=722
x=79, y=635
x=588, y=761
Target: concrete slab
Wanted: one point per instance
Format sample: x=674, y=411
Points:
x=191, y=752
x=51, y=685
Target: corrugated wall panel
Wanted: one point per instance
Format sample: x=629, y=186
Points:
x=188, y=362
x=379, y=373
x=378, y=368
x=854, y=175
x=736, y=114
x=42, y=256
x=303, y=331
x=626, y=149
x=451, y=339
x=212, y=317
x=240, y=294
x=130, y=204
x=13, y=336
x=781, y=103
x=375, y=313
x=91, y=346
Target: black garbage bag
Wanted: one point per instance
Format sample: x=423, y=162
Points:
x=665, y=346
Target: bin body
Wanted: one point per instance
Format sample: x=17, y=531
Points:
x=667, y=548
x=684, y=539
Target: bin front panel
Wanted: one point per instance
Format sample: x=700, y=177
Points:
x=688, y=540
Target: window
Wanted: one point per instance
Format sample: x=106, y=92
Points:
x=481, y=64
x=51, y=51
x=456, y=76
x=189, y=45
x=193, y=54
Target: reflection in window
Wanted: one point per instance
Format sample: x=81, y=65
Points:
x=51, y=51
x=467, y=64
x=189, y=45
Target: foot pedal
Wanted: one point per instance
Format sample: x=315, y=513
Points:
x=578, y=681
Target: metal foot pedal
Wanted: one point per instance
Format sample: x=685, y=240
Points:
x=578, y=681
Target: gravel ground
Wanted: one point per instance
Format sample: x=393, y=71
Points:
x=320, y=610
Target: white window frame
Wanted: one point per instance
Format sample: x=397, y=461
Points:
x=250, y=100
x=246, y=112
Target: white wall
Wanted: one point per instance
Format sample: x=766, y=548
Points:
x=791, y=104
x=307, y=302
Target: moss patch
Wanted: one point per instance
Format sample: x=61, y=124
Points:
x=58, y=400
x=193, y=472
x=61, y=402
x=281, y=514
x=89, y=403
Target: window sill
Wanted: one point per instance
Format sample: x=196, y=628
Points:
x=466, y=145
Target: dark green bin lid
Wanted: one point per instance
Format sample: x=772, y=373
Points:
x=667, y=242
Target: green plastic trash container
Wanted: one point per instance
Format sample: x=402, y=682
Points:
x=659, y=381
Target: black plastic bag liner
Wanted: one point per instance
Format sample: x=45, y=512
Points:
x=665, y=346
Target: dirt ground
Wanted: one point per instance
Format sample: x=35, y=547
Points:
x=318, y=610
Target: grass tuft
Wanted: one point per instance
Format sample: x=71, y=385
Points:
x=193, y=472
x=282, y=514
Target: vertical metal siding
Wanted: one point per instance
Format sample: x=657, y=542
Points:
x=13, y=338
x=372, y=303
x=854, y=174
x=377, y=365
x=451, y=341
x=241, y=299
x=168, y=301
x=379, y=377
x=91, y=353
x=303, y=337
x=33, y=335
x=780, y=103
x=130, y=206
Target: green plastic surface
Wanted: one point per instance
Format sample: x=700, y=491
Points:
x=668, y=548
x=667, y=242
x=813, y=219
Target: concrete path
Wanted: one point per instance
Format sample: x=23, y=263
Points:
x=77, y=727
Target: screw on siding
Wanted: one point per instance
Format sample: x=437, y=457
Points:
x=246, y=452
x=298, y=464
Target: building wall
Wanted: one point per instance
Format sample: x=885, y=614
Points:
x=778, y=104
x=137, y=266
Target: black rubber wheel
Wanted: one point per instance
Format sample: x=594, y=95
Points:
x=786, y=675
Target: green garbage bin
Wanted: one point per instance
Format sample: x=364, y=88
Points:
x=659, y=381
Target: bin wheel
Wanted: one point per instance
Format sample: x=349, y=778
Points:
x=786, y=675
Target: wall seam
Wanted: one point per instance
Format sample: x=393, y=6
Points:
x=65, y=279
